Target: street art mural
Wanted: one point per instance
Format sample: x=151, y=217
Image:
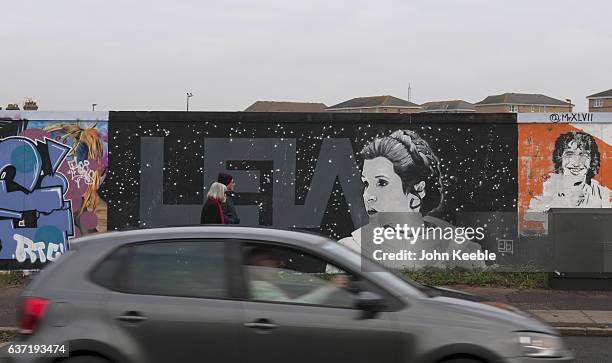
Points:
x=562, y=165
x=403, y=185
x=52, y=169
x=36, y=219
x=86, y=168
x=336, y=174
x=311, y=171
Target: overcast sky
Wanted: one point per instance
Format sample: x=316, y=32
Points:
x=145, y=55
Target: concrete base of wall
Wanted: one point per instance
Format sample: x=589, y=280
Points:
x=589, y=282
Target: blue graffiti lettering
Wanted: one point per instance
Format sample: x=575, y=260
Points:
x=35, y=220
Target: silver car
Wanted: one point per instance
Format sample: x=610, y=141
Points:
x=241, y=294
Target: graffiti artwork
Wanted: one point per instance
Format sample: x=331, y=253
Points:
x=51, y=172
x=485, y=176
x=86, y=168
x=562, y=165
x=308, y=172
x=576, y=160
x=36, y=219
x=403, y=186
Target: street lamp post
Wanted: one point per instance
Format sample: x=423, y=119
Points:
x=569, y=104
x=189, y=95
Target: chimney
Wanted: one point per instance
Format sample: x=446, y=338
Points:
x=30, y=105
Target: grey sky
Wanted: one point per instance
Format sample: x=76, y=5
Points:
x=144, y=55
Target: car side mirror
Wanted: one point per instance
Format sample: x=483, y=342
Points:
x=370, y=302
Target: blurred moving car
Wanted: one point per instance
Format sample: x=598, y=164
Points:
x=241, y=294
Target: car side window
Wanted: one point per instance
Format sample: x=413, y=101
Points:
x=285, y=275
x=175, y=268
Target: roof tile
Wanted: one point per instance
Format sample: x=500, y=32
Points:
x=607, y=93
x=521, y=99
x=274, y=106
x=452, y=105
x=374, y=101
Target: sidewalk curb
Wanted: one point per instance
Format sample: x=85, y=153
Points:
x=575, y=331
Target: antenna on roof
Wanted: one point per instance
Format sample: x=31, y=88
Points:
x=409, y=92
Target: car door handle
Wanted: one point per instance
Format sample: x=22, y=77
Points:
x=263, y=324
x=132, y=317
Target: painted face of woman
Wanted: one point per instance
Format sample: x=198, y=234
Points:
x=383, y=190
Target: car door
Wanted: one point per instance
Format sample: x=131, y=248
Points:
x=171, y=302
x=296, y=316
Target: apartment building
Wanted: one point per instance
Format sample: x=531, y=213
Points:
x=522, y=102
x=376, y=104
x=600, y=102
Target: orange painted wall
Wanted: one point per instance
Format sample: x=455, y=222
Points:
x=536, y=143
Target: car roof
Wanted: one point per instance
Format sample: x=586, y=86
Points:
x=116, y=238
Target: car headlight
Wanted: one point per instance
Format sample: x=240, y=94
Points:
x=541, y=345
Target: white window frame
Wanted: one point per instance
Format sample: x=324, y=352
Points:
x=598, y=102
x=514, y=108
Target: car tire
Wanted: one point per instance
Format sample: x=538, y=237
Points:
x=462, y=360
x=85, y=359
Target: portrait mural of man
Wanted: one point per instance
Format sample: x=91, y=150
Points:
x=561, y=166
x=576, y=160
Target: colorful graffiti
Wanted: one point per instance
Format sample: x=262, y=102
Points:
x=562, y=165
x=36, y=219
x=86, y=168
x=55, y=166
x=308, y=171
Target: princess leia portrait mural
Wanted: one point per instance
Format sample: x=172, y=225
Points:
x=403, y=185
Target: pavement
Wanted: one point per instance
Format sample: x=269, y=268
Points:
x=573, y=313
x=589, y=350
x=9, y=301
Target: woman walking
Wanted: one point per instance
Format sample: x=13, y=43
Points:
x=212, y=212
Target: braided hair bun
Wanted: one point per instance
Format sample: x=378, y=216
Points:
x=413, y=161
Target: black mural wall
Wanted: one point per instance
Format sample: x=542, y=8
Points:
x=301, y=170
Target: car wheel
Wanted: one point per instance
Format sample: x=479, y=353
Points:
x=85, y=359
x=462, y=360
